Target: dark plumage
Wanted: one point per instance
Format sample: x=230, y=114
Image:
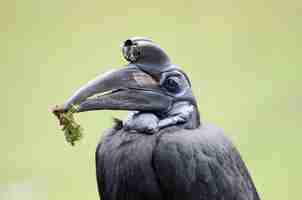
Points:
x=174, y=163
x=163, y=150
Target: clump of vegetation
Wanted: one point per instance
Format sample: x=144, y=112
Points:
x=72, y=130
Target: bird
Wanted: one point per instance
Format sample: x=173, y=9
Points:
x=163, y=150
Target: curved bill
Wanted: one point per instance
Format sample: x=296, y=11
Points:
x=128, y=88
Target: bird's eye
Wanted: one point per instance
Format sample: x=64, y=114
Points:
x=172, y=84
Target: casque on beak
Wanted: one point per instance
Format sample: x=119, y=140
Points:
x=128, y=88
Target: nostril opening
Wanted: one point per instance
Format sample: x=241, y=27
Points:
x=128, y=43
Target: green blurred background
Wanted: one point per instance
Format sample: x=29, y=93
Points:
x=243, y=57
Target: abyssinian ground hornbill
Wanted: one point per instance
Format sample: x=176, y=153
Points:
x=162, y=150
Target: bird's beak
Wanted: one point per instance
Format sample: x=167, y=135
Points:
x=128, y=88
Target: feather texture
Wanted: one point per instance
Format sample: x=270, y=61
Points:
x=173, y=164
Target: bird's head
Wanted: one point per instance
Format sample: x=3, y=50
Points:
x=149, y=84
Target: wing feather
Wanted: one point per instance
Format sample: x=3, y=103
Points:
x=201, y=164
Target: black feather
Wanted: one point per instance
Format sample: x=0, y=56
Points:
x=175, y=163
x=117, y=124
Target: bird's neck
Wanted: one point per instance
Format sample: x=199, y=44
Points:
x=182, y=114
x=194, y=121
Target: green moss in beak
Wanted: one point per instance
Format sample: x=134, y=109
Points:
x=72, y=130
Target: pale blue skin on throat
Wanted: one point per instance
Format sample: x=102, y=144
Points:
x=150, y=123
